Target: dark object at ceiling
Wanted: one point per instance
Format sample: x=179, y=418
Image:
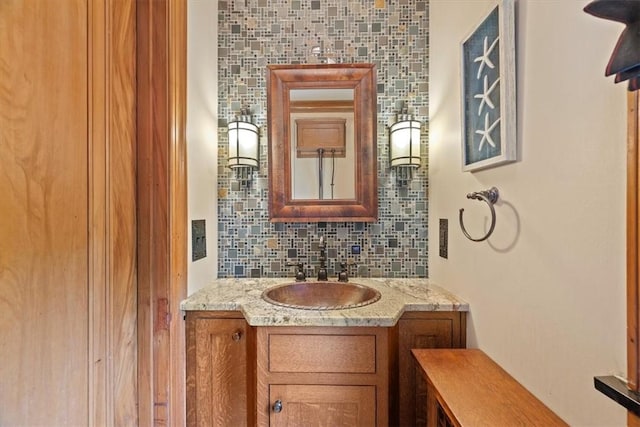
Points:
x=625, y=60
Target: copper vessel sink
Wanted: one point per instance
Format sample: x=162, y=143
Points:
x=321, y=295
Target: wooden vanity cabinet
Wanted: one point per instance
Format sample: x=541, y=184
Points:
x=238, y=375
x=220, y=369
x=417, y=330
x=336, y=376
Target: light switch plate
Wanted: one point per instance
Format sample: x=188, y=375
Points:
x=444, y=237
x=198, y=239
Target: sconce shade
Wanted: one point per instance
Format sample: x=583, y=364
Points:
x=243, y=145
x=404, y=143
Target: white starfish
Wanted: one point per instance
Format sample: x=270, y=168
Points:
x=484, y=58
x=486, y=133
x=485, y=96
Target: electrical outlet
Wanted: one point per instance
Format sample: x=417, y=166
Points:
x=444, y=237
x=198, y=239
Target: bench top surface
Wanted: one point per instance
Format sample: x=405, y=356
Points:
x=477, y=391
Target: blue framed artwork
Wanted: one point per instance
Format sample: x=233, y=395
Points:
x=488, y=91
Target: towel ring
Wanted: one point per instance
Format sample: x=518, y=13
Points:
x=489, y=196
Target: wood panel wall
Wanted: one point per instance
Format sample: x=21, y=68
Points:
x=69, y=167
x=112, y=210
x=162, y=210
x=43, y=225
x=67, y=213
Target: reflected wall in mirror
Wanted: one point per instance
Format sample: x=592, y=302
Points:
x=322, y=142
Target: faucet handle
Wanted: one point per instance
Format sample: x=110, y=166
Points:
x=300, y=276
x=343, y=275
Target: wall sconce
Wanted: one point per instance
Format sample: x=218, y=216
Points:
x=625, y=60
x=404, y=147
x=243, y=147
x=324, y=56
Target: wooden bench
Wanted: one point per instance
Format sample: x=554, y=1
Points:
x=466, y=388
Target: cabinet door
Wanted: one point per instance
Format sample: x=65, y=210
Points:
x=422, y=330
x=217, y=372
x=322, y=405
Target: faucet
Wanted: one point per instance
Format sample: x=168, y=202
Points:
x=322, y=271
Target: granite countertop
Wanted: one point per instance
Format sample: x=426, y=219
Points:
x=398, y=296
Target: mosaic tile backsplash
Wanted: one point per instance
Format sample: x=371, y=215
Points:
x=394, y=37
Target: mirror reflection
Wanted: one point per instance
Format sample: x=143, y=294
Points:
x=322, y=144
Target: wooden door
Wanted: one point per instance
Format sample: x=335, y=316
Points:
x=67, y=213
x=323, y=405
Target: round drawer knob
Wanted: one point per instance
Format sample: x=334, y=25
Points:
x=236, y=336
x=277, y=406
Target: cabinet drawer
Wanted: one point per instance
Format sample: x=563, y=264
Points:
x=322, y=353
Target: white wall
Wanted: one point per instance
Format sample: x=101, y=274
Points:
x=547, y=290
x=202, y=139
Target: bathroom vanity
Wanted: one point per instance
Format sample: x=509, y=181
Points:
x=250, y=362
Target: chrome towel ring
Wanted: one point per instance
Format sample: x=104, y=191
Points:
x=489, y=196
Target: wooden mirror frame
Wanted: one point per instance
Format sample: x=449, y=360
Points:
x=281, y=79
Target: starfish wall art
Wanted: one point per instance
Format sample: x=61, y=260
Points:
x=488, y=137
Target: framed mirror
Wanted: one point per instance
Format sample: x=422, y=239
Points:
x=322, y=142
